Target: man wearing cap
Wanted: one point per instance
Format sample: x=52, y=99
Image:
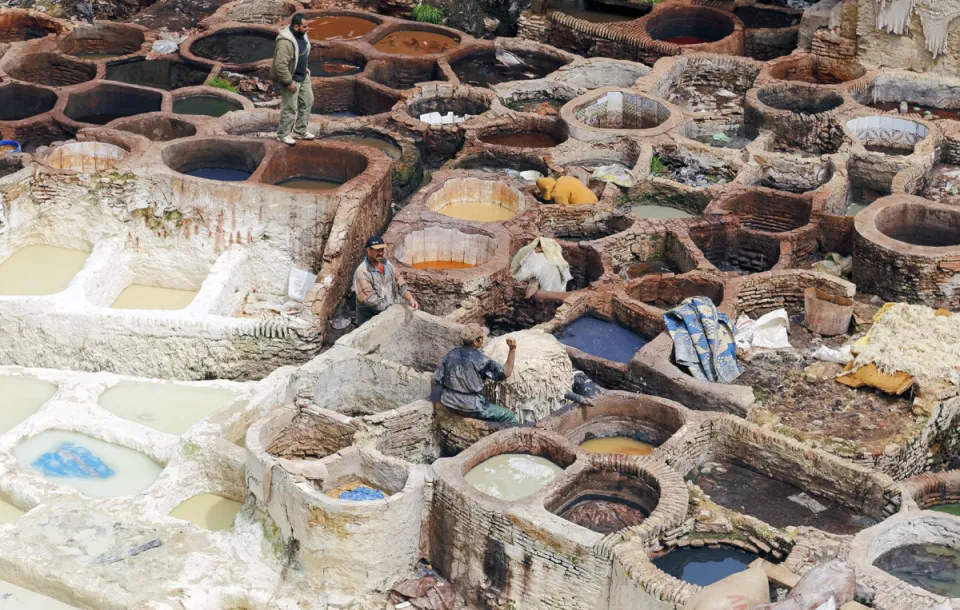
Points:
x=377, y=284
x=460, y=377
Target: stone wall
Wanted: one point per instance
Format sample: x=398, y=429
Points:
x=925, y=39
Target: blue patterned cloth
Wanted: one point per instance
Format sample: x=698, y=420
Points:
x=703, y=340
x=72, y=460
x=362, y=493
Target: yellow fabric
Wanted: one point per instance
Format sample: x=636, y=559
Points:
x=565, y=191
x=570, y=191
x=546, y=186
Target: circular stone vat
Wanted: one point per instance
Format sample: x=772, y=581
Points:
x=705, y=565
x=499, y=161
x=524, y=139
x=607, y=499
x=619, y=423
x=157, y=128
x=339, y=27
x=328, y=62
x=690, y=25
x=235, y=47
x=928, y=97
x=668, y=292
x=460, y=106
x=87, y=157
x=476, y=200
x=919, y=225
x=621, y=110
x=388, y=146
x=913, y=553
x=414, y=41
x=215, y=159
x=800, y=99
x=205, y=105
x=51, y=69
x=18, y=101
x=102, y=40
x=815, y=70
x=108, y=101
x=442, y=248
x=96, y=468
x=157, y=73
x=258, y=11
x=488, y=68
x=316, y=167
x=887, y=134
x=716, y=134
x=19, y=25
x=755, y=17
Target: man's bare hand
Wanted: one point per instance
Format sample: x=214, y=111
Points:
x=512, y=343
x=292, y=87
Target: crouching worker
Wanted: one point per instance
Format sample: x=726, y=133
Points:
x=461, y=376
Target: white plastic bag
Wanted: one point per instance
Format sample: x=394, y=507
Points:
x=299, y=283
x=769, y=331
x=615, y=173
x=164, y=47
x=828, y=354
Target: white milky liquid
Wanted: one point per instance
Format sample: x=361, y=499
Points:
x=13, y=597
x=138, y=296
x=8, y=513
x=39, y=270
x=512, y=476
x=20, y=397
x=132, y=471
x=165, y=407
x=208, y=510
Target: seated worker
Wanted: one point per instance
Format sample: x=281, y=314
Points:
x=541, y=263
x=461, y=375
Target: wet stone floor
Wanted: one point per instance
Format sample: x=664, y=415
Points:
x=737, y=488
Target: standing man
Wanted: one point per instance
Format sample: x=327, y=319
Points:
x=463, y=372
x=377, y=284
x=290, y=72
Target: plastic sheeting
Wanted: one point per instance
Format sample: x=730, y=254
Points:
x=72, y=460
x=549, y=268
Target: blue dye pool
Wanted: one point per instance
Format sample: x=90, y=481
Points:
x=601, y=338
x=219, y=173
x=704, y=566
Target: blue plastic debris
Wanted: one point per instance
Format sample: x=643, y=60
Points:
x=72, y=460
x=362, y=493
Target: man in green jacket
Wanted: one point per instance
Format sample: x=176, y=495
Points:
x=290, y=72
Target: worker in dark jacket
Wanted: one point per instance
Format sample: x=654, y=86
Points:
x=290, y=72
x=462, y=374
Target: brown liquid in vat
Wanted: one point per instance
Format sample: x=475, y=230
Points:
x=409, y=42
x=339, y=28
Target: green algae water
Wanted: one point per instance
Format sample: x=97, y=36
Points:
x=932, y=567
x=950, y=509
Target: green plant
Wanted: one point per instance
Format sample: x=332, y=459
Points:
x=657, y=166
x=222, y=83
x=425, y=13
